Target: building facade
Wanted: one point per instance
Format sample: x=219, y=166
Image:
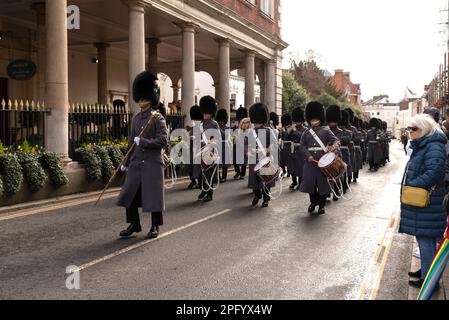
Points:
x=381, y=107
x=117, y=39
x=342, y=82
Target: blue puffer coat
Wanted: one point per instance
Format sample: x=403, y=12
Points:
x=426, y=170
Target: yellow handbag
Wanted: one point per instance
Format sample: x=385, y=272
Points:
x=414, y=196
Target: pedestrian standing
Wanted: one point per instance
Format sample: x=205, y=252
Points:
x=144, y=183
x=424, y=170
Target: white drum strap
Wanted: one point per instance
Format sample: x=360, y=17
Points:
x=317, y=139
x=259, y=144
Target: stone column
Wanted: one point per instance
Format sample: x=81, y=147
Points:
x=270, y=91
x=102, y=72
x=188, y=70
x=152, y=54
x=224, y=69
x=39, y=7
x=249, y=78
x=56, y=78
x=136, y=45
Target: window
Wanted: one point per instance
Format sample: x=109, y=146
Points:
x=378, y=113
x=267, y=7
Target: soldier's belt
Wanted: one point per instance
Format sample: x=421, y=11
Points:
x=344, y=148
x=315, y=149
x=358, y=147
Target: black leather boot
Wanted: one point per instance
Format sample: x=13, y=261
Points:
x=416, y=274
x=202, y=196
x=132, y=228
x=154, y=232
x=311, y=208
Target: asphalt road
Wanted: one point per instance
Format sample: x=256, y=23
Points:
x=218, y=250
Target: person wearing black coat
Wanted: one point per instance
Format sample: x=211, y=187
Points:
x=296, y=159
x=225, y=151
x=333, y=118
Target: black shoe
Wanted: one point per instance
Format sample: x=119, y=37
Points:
x=298, y=188
x=416, y=274
x=132, y=228
x=265, y=203
x=202, y=196
x=222, y=180
x=416, y=283
x=154, y=232
x=236, y=176
x=335, y=198
x=355, y=180
x=255, y=201
x=293, y=186
x=191, y=185
x=311, y=208
x=242, y=177
x=321, y=211
x=208, y=198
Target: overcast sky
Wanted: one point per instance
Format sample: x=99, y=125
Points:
x=385, y=44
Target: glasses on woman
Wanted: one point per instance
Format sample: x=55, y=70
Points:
x=414, y=129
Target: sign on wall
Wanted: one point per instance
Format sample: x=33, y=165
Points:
x=21, y=69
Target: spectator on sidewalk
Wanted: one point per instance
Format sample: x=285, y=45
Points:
x=424, y=170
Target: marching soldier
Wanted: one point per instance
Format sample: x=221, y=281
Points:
x=313, y=141
x=365, y=127
x=208, y=107
x=345, y=142
x=358, y=156
x=296, y=159
x=240, y=162
x=194, y=169
x=258, y=114
x=144, y=183
x=222, y=119
x=285, y=146
x=333, y=118
x=374, y=148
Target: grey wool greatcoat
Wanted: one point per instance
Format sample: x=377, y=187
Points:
x=145, y=165
x=313, y=176
x=358, y=157
x=196, y=167
x=374, y=146
x=296, y=159
x=285, y=149
x=226, y=147
x=345, y=139
x=254, y=181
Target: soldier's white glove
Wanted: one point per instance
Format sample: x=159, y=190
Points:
x=137, y=140
x=123, y=168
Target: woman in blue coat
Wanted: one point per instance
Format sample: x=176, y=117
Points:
x=425, y=170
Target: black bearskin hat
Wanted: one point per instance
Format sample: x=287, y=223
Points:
x=286, y=120
x=298, y=115
x=384, y=125
x=208, y=105
x=195, y=113
x=333, y=114
x=344, y=118
x=373, y=123
x=379, y=123
x=351, y=116
x=258, y=113
x=274, y=118
x=315, y=110
x=222, y=116
x=146, y=87
x=241, y=114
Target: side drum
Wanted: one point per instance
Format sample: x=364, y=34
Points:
x=332, y=165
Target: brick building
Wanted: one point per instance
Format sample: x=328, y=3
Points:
x=342, y=81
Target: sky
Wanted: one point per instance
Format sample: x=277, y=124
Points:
x=387, y=45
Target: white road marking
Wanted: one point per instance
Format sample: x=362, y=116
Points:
x=143, y=243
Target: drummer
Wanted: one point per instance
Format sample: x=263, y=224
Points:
x=258, y=114
x=333, y=117
x=345, y=141
x=296, y=160
x=314, y=181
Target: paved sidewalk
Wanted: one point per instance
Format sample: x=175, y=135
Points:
x=441, y=294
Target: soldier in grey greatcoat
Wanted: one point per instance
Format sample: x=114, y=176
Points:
x=345, y=143
x=211, y=129
x=357, y=162
x=374, y=155
x=285, y=144
x=258, y=114
x=296, y=159
x=194, y=169
x=144, y=183
x=333, y=118
x=226, y=144
x=314, y=181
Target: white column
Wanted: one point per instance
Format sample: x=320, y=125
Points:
x=188, y=70
x=56, y=78
x=39, y=7
x=249, y=78
x=270, y=91
x=224, y=69
x=136, y=45
x=102, y=73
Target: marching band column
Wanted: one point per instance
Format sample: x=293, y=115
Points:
x=136, y=44
x=249, y=78
x=56, y=78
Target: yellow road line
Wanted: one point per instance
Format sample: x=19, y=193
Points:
x=143, y=243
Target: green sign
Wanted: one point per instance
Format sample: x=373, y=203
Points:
x=21, y=69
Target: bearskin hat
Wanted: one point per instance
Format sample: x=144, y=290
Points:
x=146, y=87
x=315, y=110
x=286, y=120
x=208, y=105
x=373, y=123
x=344, y=119
x=222, y=116
x=274, y=118
x=384, y=125
x=333, y=114
x=298, y=115
x=195, y=113
x=241, y=114
x=351, y=115
x=258, y=113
